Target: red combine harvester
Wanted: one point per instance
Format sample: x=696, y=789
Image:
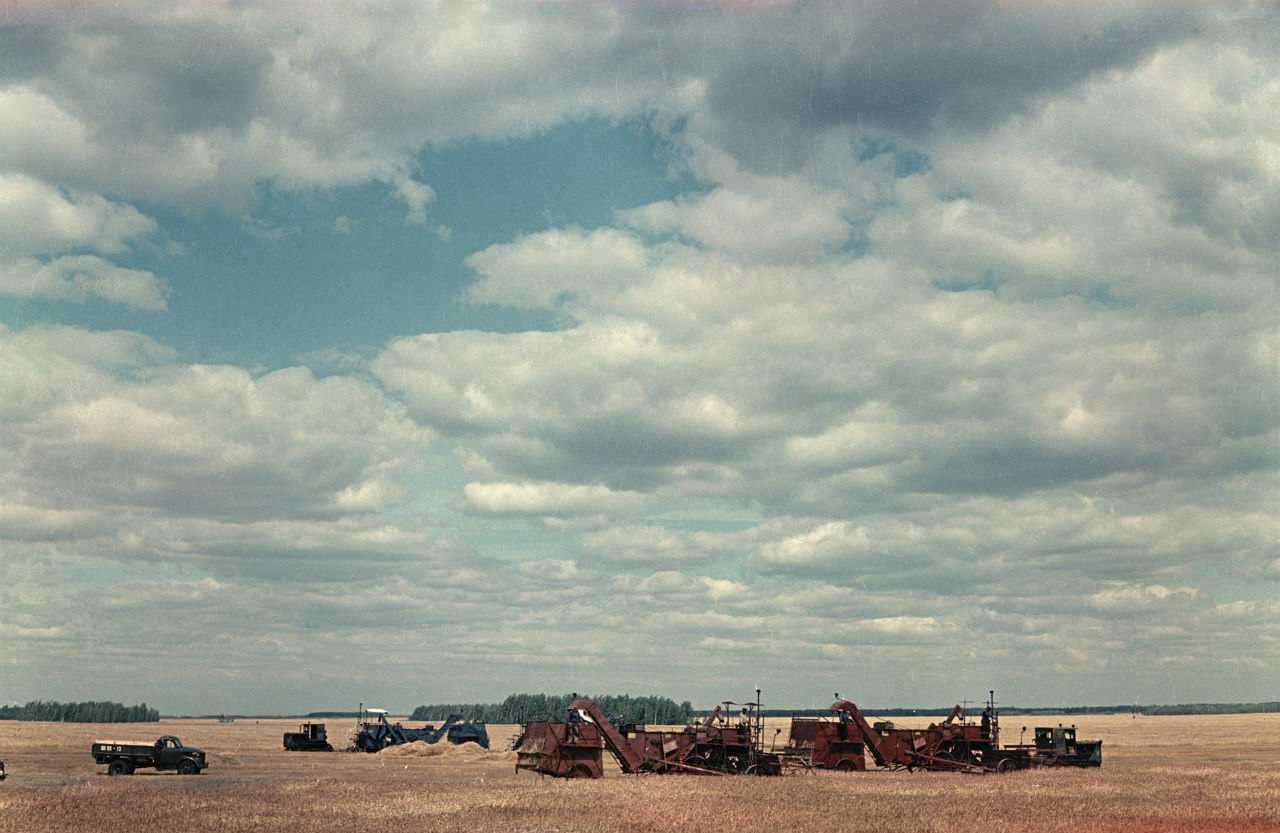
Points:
x=566, y=750
x=714, y=747
x=826, y=744
x=960, y=745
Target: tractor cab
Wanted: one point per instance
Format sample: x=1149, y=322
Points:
x=1060, y=739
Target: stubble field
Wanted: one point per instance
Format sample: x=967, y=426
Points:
x=1159, y=774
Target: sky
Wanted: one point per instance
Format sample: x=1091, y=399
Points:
x=416, y=352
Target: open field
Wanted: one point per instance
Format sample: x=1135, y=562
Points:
x=1159, y=774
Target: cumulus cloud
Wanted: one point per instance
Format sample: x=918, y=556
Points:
x=83, y=278
x=548, y=499
x=550, y=269
x=1129, y=597
x=36, y=217
x=1109, y=210
x=812, y=73
x=120, y=432
x=762, y=218
x=964, y=387
x=38, y=220
x=198, y=105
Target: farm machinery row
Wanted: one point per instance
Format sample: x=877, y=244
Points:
x=573, y=748
x=957, y=744
x=374, y=732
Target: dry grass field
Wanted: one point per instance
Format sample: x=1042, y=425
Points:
x=1159, y=774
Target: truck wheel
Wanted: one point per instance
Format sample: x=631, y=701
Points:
x=119, y=767
x=1008, y=765
x=187, y=767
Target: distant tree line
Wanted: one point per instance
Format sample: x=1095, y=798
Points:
x=1212, y=708
x=88, y=712
x=518, y=708
x=352, y=715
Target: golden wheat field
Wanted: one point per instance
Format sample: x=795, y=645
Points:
x=1158, y=774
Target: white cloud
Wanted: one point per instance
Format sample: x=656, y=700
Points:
x=541, y=270
x=201, y=441
x=655, y=546
x=830, y=541
x=769, y=218
x=83, y=278
x=37, y=220
x=1154, y=187
x=198, y=105
x=36, y=132
x=921, y=626
x=1034, y=373
x=549, y=499
x=416, y=196
x=1131, y=597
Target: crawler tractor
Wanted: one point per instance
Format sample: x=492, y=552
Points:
x=310, y=737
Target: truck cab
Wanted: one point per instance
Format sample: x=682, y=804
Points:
x=168, y=750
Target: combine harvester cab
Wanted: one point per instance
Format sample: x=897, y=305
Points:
x=734, y=746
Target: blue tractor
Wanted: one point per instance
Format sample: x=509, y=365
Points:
x=376, y=733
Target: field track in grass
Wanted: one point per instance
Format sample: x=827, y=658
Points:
x=1201, y=774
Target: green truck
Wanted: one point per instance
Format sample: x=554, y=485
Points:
x=122, y=757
